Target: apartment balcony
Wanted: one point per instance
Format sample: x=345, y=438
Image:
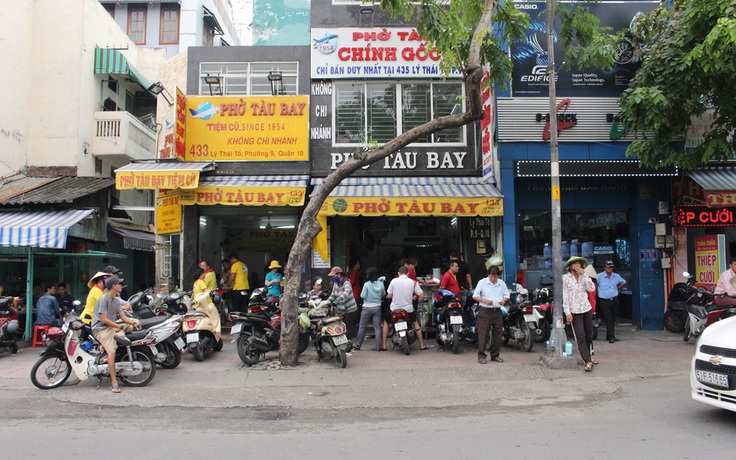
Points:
x=120, y=134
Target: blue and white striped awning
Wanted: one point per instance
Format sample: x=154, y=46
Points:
x=716, y=178
x=45, y=229
x=254, y=181
x=419, y=187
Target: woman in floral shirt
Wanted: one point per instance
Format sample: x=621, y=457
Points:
x=575, y=287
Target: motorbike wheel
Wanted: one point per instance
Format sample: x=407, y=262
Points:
x=671, y=323
x=405, y=345
x=50, y=372
x=198, y=352
x=303, y=343
x=527, y=341
x=456, y=339
x=688, y=334
x=218, y=346
x=341, y=359
x=247, y=352
x=149, y=369
x=173, y=356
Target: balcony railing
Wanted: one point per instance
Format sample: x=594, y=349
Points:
x=122, y=134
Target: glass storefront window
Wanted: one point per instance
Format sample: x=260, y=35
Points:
x=582, y=231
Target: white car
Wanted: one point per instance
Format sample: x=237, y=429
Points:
x=713, y=370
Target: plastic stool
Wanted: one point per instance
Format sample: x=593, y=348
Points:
x=38, y=333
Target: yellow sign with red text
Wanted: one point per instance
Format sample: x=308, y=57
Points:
x=249, y=196
x=397, y=206
x=130, y=180
x=168, y=214
x=266, y=128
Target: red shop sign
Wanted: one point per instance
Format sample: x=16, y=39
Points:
x=703, y=216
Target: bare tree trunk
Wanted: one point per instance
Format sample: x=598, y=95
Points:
x=308, y=225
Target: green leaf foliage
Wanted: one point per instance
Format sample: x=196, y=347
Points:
x=689, y=66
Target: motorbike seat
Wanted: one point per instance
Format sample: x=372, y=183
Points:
x=332, y=319
x=713, y=307
x=136, y=335
x=150, y=322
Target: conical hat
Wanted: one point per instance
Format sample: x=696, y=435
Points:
x=91, y=282
x=583, y=261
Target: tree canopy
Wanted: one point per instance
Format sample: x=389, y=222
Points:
x=688, y=70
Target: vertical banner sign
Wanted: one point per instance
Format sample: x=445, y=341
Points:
x=168, y=214
x=710, y=258
x=180, y=125
x=486, y=126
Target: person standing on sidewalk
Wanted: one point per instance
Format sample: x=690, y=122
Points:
x=238, y=284
x=575, y=288
x=372, y=294
x=491, y=294
x=609, y=285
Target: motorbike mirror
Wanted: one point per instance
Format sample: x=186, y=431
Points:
x=686, y=274
x=77, y=303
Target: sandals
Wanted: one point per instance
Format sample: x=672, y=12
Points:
x=381, y=349
x=426, y=347
x=356, y=348
x=594, y=361
x=116, y=389
x=588, y=367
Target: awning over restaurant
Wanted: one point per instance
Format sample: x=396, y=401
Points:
x=248, y=191
x=60, y=190
x=715, y=178
x=413, y=196
x=165, y=175
x=110, y=61
x=45, y=229
x=135, y=239
x=719, y=185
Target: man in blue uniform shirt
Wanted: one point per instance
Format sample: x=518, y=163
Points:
x=609, y=285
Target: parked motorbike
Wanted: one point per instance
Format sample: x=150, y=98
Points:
x=67, y=352
x=543, y=314
x=9, y=325
x=515, y=325
x=328, y=332
x=449, y=318
x=701, y=311
x=201, y=326
x=676, y=315
x=258, y=330
x=401, y=332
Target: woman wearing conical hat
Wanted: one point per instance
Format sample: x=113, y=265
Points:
x=575, y=287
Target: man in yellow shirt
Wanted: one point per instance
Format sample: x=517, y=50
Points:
x=208, y=275
x=238, y=284
x=96, y=285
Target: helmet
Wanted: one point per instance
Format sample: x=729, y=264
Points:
x=13, y=326
x=54, y=333
x=216, y=298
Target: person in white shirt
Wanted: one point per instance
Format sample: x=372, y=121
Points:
x=725, y=290
x=491, y=294
x=401, y=291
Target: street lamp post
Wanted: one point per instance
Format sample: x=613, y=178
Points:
x=558, y=331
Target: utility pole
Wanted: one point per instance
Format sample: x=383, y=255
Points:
x=558, y=330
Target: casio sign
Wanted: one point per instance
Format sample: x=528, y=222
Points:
x=526, y=6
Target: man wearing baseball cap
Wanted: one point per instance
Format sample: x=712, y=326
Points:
x=105, y=327
x=609, y=285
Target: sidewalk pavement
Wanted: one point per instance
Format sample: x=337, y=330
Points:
x=372, y=379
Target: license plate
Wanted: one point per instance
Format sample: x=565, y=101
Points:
x=456, y=319
x=529, y=319
x=236, y=329
x=340, y=339
x=193, y=337
x=400, y=326
x=720, y=380
x=179, y=343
